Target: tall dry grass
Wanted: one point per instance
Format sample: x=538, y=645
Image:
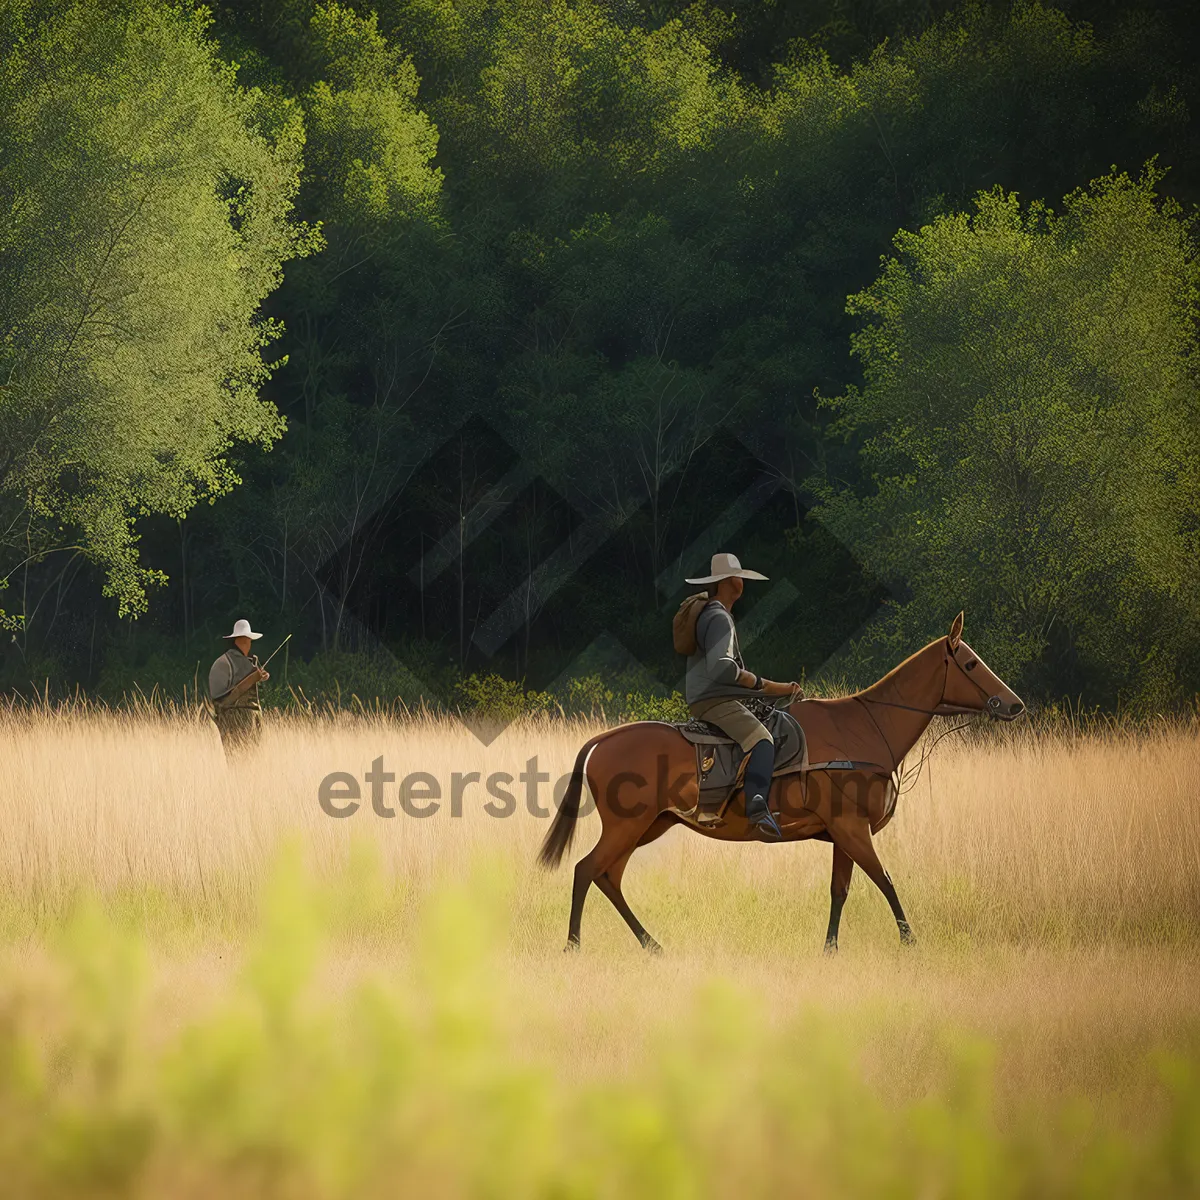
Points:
x=1033, y=840
x=1053, y=882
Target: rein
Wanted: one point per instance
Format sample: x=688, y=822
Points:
x=929, y=712
x=915, y=772
x=940, y=711
x=891, y=752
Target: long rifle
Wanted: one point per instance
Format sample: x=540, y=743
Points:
x=251, y=679
x=262, y=666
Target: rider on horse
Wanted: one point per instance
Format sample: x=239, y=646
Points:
x=718, y=682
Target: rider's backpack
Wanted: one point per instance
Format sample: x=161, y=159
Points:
x=683, y=624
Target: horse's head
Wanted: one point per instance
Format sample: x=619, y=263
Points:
x=971, y=686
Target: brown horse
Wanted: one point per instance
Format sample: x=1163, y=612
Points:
x=643, y=779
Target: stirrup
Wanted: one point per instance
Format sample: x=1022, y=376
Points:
x=763, y=821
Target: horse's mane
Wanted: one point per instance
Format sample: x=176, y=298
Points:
x=891, y=677
x=884, y=683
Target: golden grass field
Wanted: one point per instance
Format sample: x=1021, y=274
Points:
x=209, y=987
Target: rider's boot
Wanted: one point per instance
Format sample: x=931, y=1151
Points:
x=758, y=787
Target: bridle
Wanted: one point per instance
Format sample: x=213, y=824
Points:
x=941, y=710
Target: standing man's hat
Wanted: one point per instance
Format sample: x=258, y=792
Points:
x=725, y=566
x=242, y=628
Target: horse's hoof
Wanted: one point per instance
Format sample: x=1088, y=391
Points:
x=907, y=938
x=572, y=947
x=831, y=948
x=652, y=947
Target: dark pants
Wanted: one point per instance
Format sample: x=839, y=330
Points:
x=240, y=728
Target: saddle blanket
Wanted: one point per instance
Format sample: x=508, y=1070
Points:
x=720, y=761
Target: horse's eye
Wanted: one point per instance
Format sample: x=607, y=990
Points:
x=972, y=665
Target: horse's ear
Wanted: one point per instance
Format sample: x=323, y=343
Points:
x=956, y=631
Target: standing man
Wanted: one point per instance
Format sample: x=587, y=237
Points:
x=718, y=682
x=233, y=687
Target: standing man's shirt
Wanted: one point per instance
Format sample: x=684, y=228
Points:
x=227, y=672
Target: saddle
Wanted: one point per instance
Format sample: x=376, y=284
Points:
x=721, y=764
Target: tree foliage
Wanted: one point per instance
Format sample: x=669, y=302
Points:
x=145, y=212
x=1029, y=425
x=624, y=234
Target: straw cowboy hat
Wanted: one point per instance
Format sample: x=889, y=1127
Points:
x=242, y=629
x=725, y=566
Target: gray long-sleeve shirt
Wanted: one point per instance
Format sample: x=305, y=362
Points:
x=226, y=673
x=713, y=670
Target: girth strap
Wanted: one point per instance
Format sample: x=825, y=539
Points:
x=849, y=764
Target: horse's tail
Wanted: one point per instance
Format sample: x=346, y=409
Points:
x=562, y=830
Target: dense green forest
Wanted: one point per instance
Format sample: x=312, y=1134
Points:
x=450, y=335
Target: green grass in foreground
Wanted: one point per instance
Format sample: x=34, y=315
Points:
x=409, y=1083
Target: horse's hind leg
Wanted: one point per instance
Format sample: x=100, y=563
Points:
x=610, y=884
x=613, y=892
x=579, y=890
x=839, y=888
x=616, y=844
x=855, y=839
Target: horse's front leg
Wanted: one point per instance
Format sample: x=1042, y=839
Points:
x=854, y=837
x=839, y=889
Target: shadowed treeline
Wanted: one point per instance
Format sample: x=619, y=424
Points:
x=480, y=319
